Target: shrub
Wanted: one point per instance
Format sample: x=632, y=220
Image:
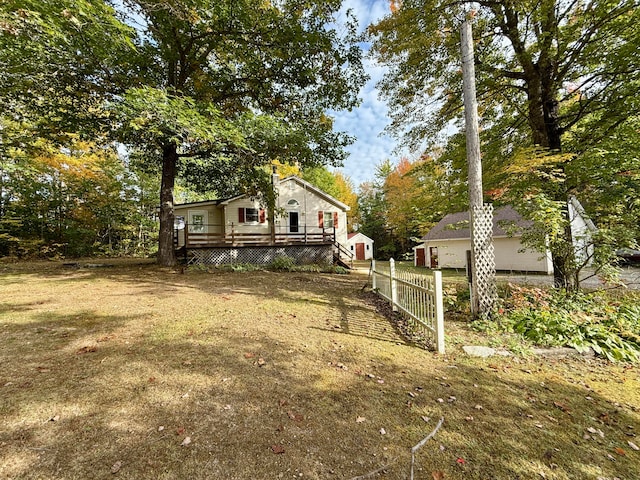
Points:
x=551, y=318
x=283, y=262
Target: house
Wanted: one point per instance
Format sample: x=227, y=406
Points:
x=447, y=243
x=360, y=245
x=307, y=225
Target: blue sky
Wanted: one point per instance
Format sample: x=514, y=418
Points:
x=368, y=121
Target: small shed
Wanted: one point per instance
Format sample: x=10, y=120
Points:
x=360, y=246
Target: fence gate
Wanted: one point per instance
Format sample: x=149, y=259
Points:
x=417, y=296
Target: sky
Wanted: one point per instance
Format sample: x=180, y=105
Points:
x=367, y=122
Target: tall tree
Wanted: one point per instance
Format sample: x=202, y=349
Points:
x=232, y=85
x=544, y=68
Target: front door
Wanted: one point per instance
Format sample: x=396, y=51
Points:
x=294, y=226
x=359, y=251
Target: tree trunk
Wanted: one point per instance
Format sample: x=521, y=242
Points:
x=546, y=132
x=166, y=252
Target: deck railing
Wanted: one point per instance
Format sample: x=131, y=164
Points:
x=417, y=296
x=229, y=235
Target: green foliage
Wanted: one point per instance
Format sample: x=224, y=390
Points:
x=551, y=77
x=610, y=326
x=283, y=262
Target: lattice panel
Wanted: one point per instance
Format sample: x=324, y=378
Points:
x=485, y=263
x=302, y=254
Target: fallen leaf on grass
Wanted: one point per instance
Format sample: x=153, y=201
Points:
x=261, y=362
x=383, y=431
x=594, y=431
x=425, y=418
x=116, y=467
x=620, y=451
x=186, y=441
x=437, y=475
x=561, y=407
x=633, y=446
x=249, y=355
x=360, y=419
x=86, y=349
x=180, y=431
x=295, y=416
x=461, y=461
x=277, y=449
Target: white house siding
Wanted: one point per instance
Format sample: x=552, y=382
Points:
x=309, y=204
x=453, y=254
x=232, y=217
x=582, y=230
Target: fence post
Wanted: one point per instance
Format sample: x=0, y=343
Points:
x=439, y=304
x=373, y=275
x=394, y=286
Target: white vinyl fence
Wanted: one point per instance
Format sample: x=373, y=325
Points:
x=418, y=296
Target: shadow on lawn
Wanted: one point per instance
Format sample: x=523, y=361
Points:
x=137, y=403
x=323, y=396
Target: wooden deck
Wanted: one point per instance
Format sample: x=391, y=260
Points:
x=237, y=239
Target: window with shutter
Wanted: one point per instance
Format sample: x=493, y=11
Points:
x=321, y=219
x=328, y=220
x=250, y=215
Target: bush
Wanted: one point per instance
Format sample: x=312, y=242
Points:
x=283, y=262
x=609, y=326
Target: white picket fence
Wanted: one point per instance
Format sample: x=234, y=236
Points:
x=417, y=296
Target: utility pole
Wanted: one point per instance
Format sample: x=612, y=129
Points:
x=483, y=292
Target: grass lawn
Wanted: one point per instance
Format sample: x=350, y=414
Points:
x=140, y=372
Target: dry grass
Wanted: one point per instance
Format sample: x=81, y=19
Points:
x=113, y=368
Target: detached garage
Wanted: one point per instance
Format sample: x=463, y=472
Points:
x=446, y=244
x=360, y=246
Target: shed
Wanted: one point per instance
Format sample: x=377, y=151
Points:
x=360, y=245
x=447, y=243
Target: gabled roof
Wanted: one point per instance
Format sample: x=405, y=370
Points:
x=455, y=226
x=355, y=234
x=317, y=191
x=203, y=203
x=301, y=182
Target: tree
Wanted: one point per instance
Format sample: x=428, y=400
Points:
x=231, y=86
x=60, y=61
x=544, y=68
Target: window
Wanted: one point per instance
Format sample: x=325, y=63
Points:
x=368, y=247
x=293, y=203
x=328, y=220
x=352, y=247
x=197, y=223
x=251, y=215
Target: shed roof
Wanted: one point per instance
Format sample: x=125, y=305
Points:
x=355, y=234
x=455, y=226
